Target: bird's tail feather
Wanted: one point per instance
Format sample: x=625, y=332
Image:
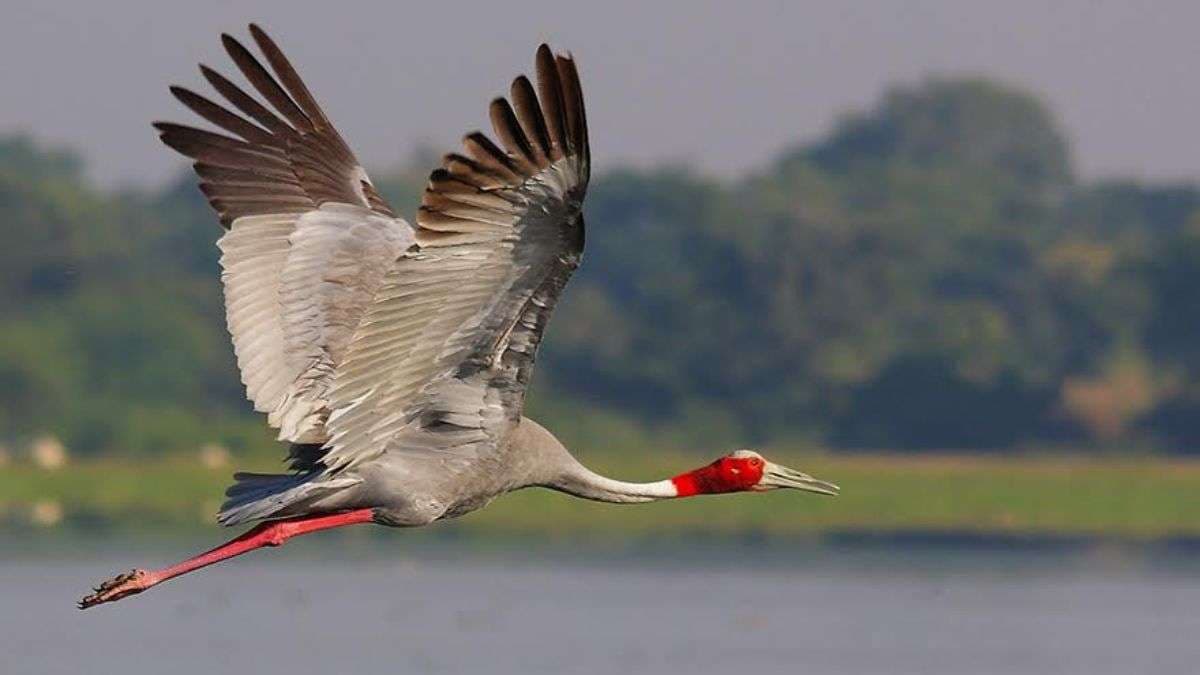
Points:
x=255, y=496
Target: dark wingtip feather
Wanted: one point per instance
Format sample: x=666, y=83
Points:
x=508, y=130
x=575, y=115
x=529, y=115
x=551, y=97
x=163, y=128
x=230, y=43
x=187, y=97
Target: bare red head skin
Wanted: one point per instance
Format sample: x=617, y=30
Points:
x=728, y=474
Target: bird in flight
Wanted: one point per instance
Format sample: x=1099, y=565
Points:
x=392, y=357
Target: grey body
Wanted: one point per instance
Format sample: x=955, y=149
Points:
x=411, y=489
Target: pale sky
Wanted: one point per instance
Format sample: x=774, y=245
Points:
x=720, y=86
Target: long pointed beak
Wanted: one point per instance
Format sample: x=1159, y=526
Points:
x=775, y=476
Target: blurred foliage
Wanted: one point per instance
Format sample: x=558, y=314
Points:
x=930, y=275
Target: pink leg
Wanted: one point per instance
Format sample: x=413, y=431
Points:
x=273, y=533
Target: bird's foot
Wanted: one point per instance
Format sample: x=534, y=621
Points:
x=120, y=586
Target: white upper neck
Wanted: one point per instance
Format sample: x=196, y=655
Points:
x=590, y=485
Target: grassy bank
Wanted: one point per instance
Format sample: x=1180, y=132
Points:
x=1142, y=498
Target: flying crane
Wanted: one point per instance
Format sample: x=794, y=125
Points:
x=393, y=358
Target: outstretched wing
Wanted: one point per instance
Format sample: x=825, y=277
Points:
x=459, y=317
x=309, y=239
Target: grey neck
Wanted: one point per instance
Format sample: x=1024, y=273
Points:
x=560, y=471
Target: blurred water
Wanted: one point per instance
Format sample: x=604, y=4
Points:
x=276, y=614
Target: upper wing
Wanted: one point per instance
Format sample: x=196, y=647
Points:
x=459, y=316
x=309, y=238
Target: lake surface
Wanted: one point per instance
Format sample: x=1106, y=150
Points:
x=888, y=612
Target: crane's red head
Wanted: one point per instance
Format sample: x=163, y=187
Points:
x=746, y=471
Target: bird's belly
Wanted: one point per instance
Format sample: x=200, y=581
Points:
x=418, y=512
x=465, y=506
x=400, y=504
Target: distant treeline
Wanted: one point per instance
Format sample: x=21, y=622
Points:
x=930, y=275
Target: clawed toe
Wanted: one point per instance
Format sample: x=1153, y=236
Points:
x=118, y=587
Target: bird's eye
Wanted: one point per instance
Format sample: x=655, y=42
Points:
x=755, y=462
